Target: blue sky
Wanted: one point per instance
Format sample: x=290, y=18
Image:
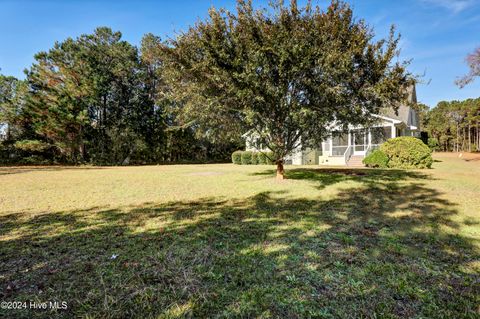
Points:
x=436, y=34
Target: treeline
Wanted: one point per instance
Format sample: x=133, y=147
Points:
x=453, y=126
x=101, y=100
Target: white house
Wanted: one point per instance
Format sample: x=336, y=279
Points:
x=349, y=148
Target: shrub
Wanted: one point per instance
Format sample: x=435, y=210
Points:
x=377, y=158
x=433, y=143
x=265, y=158
x=269, y=158
x=237, y=157
x=407, y=152
x=246, y=158
x=34, y=160
x=254, y=158
x=261, y=159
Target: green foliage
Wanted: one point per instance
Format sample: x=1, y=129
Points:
x=407, y=152
x=254, y=158
x=422, y=114
x=13, y=97
x=31, y=145
x=8, y=90
x=455, y=125
x=269, y=158
x=377, y=159
x=262, y=158
x=247, y=157
x=237, y=157
x=258, y=70
x=34, y=160
x=433, y=143
x=90, y=88
x=95, y=99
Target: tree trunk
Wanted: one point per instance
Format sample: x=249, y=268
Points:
x=458, y=133
x=478, y=137
x=81, y=151
x=280, y=170
x=469, y=138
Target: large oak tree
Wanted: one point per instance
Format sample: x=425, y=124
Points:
x=285, y=74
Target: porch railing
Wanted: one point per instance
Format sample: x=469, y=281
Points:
x=338, y=150
x=348, y=153
x=368, y=149
x=371, y=148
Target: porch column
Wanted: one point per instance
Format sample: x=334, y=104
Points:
x=394, y=131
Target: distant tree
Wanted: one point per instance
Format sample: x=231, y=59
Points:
x=13, y=94
x=7, y=92
x=87, y=93
x=177, y=136
x=455, y=125
x=285, y=75
x=422, y=112
x=439, y=126
x=473, y=61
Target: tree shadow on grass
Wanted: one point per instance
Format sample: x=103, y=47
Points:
x=329, y=176
x=383, y=249
x=12, y=170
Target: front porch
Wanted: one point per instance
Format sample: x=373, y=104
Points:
x=351, y=147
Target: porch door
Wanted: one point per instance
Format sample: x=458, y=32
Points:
x=359, y=142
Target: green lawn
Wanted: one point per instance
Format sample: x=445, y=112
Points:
x=230, y=241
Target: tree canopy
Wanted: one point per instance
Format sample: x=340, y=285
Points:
x=285, y=74
x=454, y=125
x=97, y=99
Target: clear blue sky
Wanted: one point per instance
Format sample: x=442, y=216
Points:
x=437, y=34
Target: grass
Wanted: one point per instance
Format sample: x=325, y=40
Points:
x=227, y=241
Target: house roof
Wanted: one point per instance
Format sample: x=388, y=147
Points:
x=405, y=113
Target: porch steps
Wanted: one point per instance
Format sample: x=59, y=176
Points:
x=355, y=161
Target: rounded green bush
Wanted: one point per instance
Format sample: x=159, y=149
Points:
x=265, y=158
x=261, y=158
x=254, y=160
x=237, y=157
x=270, y=160
x=377, y=158
x=247, y=158
x=407, y=152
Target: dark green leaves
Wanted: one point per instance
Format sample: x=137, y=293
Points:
x=284, y=75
